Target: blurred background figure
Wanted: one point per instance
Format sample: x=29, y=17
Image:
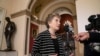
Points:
x=68, y=40
x=91, y=39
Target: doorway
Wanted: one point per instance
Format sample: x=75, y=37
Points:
x=66, y=31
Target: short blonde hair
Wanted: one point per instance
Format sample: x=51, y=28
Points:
x=50, y=17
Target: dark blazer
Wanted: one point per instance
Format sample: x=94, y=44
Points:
x=94, y=38
x=43, y=45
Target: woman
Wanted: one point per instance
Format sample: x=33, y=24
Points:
x=48, y=43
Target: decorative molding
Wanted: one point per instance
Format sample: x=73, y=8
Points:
x=20, y=13
x=63, y=10
x=75, y=16
x=29, y=6
x=56, y=4
x=28, y=13
x=37, y=21
x=38, y=8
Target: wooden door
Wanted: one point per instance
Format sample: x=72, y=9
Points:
x=33, y=33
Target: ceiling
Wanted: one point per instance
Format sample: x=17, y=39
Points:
x=40, y=6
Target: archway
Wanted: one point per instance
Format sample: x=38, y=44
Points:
x=47, y=8
x=52, y=6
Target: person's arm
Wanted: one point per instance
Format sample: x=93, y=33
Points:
x=36, y=46
x=85, y=37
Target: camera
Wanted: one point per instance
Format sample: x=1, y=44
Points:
x=94, y=23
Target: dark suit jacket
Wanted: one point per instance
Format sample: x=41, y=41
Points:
x=94, y=37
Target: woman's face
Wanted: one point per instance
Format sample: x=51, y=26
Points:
x=55, y=23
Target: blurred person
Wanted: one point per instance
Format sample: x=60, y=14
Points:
x=91, y=41
x=68, y=40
